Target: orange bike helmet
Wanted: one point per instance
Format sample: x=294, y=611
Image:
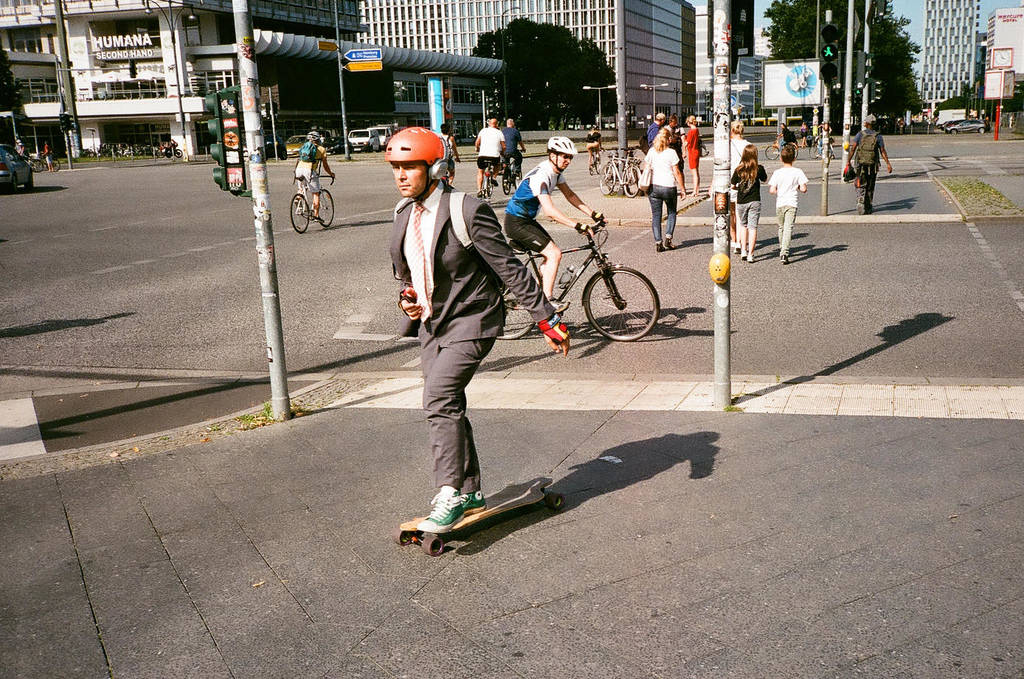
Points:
x=414, y=144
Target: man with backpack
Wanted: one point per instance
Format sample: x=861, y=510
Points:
x=865, y=149
x=311, y=157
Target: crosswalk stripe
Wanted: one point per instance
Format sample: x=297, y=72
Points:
x=19, y=430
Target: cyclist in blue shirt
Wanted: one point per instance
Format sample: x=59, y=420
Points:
x=534, y=194
x=513, y=143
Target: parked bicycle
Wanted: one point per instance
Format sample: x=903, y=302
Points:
x=621, y=175
x=39, y=165
x=620, y=303
x=302, y=206
x=511, y=175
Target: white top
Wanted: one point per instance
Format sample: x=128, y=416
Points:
x=736, y=147
x=661, y=164
x=491, y=140
x=787, y=181
x=416, y=265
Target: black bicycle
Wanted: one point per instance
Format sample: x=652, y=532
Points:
x=621, y=303
x=511, y=175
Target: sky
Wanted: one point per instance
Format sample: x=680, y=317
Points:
x=911, y=9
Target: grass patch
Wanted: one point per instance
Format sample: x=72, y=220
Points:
x=732, y=409
x=265, y=416
x=978, y=197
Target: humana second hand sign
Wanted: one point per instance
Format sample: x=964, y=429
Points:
x=123, y=47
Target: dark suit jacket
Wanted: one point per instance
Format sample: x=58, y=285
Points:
x=466, y=300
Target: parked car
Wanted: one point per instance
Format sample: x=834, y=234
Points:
x=968, y=126
x=294, y=143
x=14, y=170
x=364, y=140
x=948, y=125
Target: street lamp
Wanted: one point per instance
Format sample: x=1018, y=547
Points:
x=654, y=93
x=504, y=66
x=599, y=88
x=171, y=19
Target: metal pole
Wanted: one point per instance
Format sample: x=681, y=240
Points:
x=720, y=191
x=817, y=53
x=66, y=82
x=273, y=122
x=504, y=70
x=263, y=222
x=848, y=79
x=599, y=108
x=177, y=77
x=620, y=72
x=865, y=97
x=826, y=112
x=341, y=83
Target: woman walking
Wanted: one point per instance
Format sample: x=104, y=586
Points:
x=675, y=142
x=693, y=145
x=747, y=181
x=665, y=177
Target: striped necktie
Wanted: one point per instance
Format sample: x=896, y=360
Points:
x=421, y=268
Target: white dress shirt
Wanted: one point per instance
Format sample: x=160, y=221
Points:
x=428, y=225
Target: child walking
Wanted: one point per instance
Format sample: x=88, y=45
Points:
x=785, y=183
x=747, y=181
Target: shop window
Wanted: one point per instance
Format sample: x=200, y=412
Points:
x=26, y=40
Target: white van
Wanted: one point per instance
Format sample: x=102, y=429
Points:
x=364, y=140
x=384, y=132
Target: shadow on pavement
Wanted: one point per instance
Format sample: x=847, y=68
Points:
x=800, y=253
x=895, y=205
x=53, y=325
x=612, y=470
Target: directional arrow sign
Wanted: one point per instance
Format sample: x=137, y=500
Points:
x=364, y=66
x=369, y=54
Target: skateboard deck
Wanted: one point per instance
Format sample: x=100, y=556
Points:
x=506, y=500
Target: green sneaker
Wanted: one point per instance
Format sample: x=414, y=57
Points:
x=448, y=509
x=473, y=502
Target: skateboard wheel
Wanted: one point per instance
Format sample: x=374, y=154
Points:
x=431, y=544
x=554, y=501
x=402, y=537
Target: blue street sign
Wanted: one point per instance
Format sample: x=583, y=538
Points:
x=372, y=54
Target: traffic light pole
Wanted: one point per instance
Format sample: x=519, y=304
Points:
x=67, y=87
x=866, y=91
x=722, y=65
x=848, y=80
x=264, y=223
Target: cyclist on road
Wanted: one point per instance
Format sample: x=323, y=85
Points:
x=451, y=299
x=594, y=145
x=514, y=146
x=312, y=156
x=534, y=194
x=490, y=147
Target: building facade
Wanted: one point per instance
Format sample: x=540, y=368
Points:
x=139, y=70
x=950, y=44
x=746, y=81
x=1006, y=30
x=659, y=37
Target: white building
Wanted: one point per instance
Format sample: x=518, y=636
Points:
x=746, y=82
x=1006, y=30
x=659, y=36
x=950, y=43
x=140, y=69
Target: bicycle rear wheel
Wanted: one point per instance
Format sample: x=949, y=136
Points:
x=506, y=181
x=299, y=213
x=326, y=208
x=37, y=165
x=771, y=152
x=518, y=320
x=621, y=304
x=608, y=183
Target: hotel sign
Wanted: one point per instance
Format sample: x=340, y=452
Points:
x=124, y=47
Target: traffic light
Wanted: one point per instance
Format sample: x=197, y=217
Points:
x=829, y=52
x=874, y=89
x=66, y=123
x=741, y=31
x=226, y=127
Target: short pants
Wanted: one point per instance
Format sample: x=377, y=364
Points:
x=312, y=178
x=526, y=233
x=483, y=162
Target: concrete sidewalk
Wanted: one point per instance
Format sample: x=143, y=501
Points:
x=692, y=544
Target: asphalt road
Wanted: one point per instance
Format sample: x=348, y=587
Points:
x=154, y=269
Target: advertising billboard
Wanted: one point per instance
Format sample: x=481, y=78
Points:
x=792, y=83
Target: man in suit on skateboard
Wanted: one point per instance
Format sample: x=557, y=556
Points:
x=451, y=295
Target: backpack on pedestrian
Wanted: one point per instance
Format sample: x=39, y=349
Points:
x=308, y=151
x=867, y=149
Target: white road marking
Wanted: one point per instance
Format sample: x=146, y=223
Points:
x=112, y=269
x=19, y=430
x=414, y=363
x=989, y=254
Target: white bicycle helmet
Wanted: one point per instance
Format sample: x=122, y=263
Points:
x=313, y=136
x=561, y=145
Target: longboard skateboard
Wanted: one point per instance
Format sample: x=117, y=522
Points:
x=506, y=500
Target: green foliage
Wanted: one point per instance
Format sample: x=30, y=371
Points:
x=792, y=36
x=546, y=69
x=10, y=88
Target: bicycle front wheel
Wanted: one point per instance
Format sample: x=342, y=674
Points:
x=621, y=304
x=326, y=208
x=299, y=213
x=631, y=183
x=518, y=320
x=608, y=183
x=771, y=152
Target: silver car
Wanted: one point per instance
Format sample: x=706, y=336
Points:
x=968, y=126
x=14, y=170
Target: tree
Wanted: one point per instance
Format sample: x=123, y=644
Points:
x=791, y=35
x=546, y=67
x=10, y=87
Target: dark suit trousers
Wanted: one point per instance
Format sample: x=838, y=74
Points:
x=447, y=372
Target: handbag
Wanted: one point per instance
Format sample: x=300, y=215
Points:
x=646, y=178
